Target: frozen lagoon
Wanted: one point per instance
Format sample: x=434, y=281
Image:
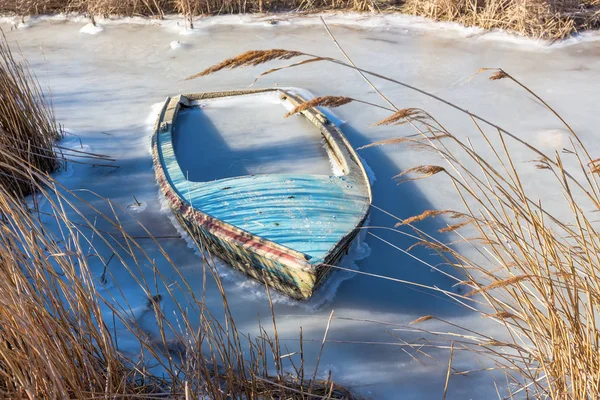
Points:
x=103, y=87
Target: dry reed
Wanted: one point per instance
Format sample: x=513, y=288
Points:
x=53, y=274
x=27, y=125
x=188, y=8
x=249, y=58
x=325, y=101
x=401, y=117
x=548, y=19
x=535, y=270
x=58, y=313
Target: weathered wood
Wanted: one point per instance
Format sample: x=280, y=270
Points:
x=283, y=229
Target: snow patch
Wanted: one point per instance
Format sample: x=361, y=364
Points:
x=137, y=207
x=151, y=119
x=91, y=29
x=176, y=44
x=273, y=22
x=369, y=171
x=584, y=37
x=552, y=139
x=336, y=169
x=191, y=31
x=15, y=22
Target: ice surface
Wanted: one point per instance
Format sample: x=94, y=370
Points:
x=104, y=87
x=91, y=29
x=402, y=23
x=246, y=135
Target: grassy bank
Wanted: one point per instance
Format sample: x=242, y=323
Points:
x=547, y=19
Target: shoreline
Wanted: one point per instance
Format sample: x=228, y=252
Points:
x=404, y=23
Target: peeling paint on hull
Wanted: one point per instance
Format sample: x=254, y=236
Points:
x=293, y=272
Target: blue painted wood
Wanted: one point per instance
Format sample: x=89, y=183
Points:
x=307, y=213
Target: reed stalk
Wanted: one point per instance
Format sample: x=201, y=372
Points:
x=28, y=128
x=532, y=268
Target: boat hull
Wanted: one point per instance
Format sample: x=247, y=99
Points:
x=291, y=276
x=281, y=268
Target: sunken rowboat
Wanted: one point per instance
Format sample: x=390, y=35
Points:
x=284, y=229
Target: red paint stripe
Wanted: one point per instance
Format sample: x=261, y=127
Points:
x=216, y=227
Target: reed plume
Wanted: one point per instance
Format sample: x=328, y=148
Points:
x=501, y=284
x=424, y=171
x=249, y=58
x=325, y=101
x=429, y=214
x=498, y=75
x=402, y=116
x=421, y=319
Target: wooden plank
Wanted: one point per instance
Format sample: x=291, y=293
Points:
x=287, y=226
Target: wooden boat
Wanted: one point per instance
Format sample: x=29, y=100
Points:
x=299, y=226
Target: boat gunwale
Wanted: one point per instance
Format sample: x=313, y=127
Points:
x=225, y=231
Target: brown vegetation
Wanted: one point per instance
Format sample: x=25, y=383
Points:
x=547, y=19
x=58, y=335
x=158, y=8
x=27, y=126
x=55, y=316
x=326, y=101
x=534, y=270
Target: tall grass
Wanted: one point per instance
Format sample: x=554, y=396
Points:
x=533, y=267
x=158, y=8
x=547, y=19
x=59, y=315
x=28, y=129
x=63, y=313
x=538, y=18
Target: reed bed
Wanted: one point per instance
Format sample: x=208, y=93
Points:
x=58, y=312
x=532, y=268
x=28, y=128
x=60, y=305
x=546, y=19
x=159, y=8
x=538, y=18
